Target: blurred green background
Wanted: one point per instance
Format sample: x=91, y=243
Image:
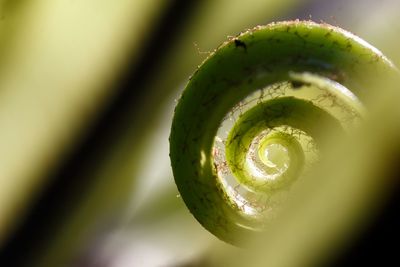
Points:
x=87, y=91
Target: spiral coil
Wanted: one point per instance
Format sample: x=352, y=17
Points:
x=252, y=119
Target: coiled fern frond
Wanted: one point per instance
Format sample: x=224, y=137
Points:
x=253, y=118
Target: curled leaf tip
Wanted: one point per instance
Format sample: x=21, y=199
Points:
x=251, y=120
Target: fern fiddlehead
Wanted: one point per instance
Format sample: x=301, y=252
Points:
x=250, y=122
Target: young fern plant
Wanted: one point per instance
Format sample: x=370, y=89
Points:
x=252, y=119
